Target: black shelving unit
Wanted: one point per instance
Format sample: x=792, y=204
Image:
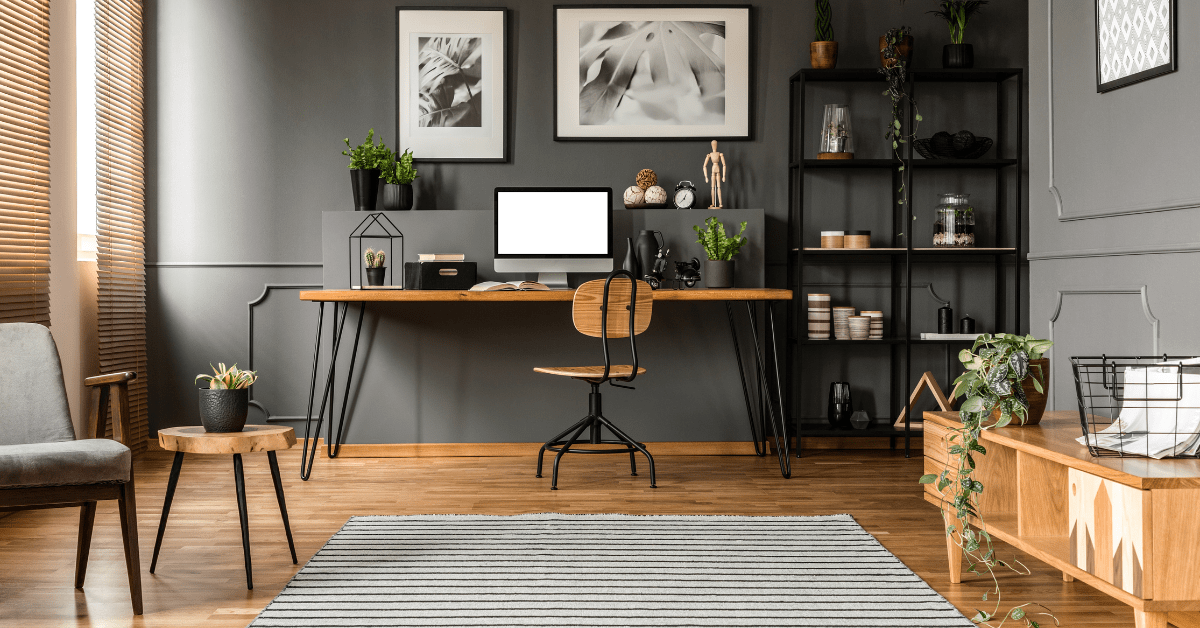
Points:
x=899, y=255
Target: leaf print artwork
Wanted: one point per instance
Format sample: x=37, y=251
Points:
x=450, y=81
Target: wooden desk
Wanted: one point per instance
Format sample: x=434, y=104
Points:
x=1125, y=526
x=770, y=390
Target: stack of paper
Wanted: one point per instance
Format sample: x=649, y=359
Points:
x=1159, y=416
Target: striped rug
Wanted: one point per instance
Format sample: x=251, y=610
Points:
x=579, y=571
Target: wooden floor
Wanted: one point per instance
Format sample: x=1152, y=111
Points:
x=200, y=579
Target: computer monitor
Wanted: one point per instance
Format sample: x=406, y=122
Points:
x=553, y=231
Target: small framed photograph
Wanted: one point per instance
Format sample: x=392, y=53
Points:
x=1135, y=41
x=652, y=72
x=452, y=69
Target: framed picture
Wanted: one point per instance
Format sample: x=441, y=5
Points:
x=452, y=83
x=1135, y=41
x=660, y=72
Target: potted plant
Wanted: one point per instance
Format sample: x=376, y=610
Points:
x=895, y=73
x=397, y=183
x=374, y=263
x=366, y=162
x=225, y=403
x=720, y=248
x=957, y=13
x=1001, y=370
x=824, y=50
x=896, y=46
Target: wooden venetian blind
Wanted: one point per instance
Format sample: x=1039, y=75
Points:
x=120, y=201
x=25, y=161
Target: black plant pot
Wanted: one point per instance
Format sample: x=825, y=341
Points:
x=375, y=276
x=365, y=184
x=718, y=274
x=224, y=410
x=397, y=197
x=958, y=56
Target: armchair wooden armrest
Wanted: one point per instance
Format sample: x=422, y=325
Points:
x=105, y=403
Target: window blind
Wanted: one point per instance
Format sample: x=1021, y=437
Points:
x=25, y=161
x=120, y=201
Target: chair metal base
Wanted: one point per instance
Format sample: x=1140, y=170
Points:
x=593, y=422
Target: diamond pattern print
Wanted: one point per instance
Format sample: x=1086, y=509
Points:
x=1134, y=35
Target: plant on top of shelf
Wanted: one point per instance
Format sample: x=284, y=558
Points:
x=402, y=171
x=823, y=50
x=957, y=13
x=996, y=366
x=720, y=250
x=895, y=71
x=366, y=162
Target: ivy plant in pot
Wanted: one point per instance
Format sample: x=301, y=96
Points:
x=367, y=160
x=375, y=264
x=226, y=401
x=895, y=73
x=999, y=369
x=824, y=50
x=397, y=183
x=957, y=13
x=720, y=249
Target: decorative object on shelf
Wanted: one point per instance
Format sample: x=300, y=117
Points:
x=841, y=407
x=634, y=197
x=961, y=145
x=367, y=160
x=649, y=244
x=1139, y=406
x=631, y=261
x=860, y=420
x=720, y=249
x=837, y=138
x=996, y=369
x=687, y=273
x=841, y=322
x=895, y=47
x=646, y=178
x=954, y=224
x=895, y=58
x=833, y=239
x=957, y=13
x=633, y=73
x=722, y=169
x=818, y=316
x=397, y=183
x=656, y=196
x=945, y=319
x=966, y=325
x=860, y=327
x=645, y=193
x=655, y=276
x=857, y=240
x=1125, y=56
x=685, y=195
x=440, y=275
x=452, y=88
x=876, y=327
x=225, y=403
x=823, y=50
x=375, y=227
x=927, y=381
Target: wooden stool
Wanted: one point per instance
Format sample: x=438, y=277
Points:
x=194, y=440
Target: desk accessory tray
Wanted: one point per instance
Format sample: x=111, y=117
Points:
x=439, y=275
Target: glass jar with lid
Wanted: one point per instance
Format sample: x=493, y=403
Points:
x=954, y=224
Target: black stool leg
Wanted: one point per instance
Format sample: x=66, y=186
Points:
x=240, y=480
x=566, y=446
x=162, y=522
x=632, y=464
x=550, y=443
x=282, y=505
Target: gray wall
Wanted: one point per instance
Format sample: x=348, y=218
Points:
x=247, y=103
x=1113, y=247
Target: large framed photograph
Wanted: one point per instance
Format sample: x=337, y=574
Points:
x=661, y=72
x=452, y=83
x=1135, y=41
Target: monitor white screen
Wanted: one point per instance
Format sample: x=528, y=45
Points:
x=553, y=223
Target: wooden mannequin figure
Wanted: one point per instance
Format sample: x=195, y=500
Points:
x=717, y=169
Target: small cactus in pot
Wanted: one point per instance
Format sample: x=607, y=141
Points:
x=375, y=263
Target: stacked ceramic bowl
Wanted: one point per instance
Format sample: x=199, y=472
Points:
x=860, y=327
x=818, y=316
x=841, y=322
x=876, y=324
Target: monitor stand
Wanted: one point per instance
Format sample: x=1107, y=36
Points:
x=554, y=281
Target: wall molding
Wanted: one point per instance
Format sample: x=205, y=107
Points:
x=1140, y=291
x=1120, y=251
x=267, y=288
x=234, y=264
x=1063, y=216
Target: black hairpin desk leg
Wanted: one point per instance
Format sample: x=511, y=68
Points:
x=329, y=394
x=775, y=415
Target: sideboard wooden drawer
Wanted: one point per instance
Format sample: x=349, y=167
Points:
x=1109, y=531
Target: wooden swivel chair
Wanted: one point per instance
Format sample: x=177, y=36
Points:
x=630, y=302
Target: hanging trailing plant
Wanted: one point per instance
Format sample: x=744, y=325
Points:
x=895, y=72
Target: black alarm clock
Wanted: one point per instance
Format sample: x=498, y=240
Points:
x=685, y=195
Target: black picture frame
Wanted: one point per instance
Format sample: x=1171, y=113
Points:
x=1144, y=75
x=506, y=94
x=751, y=101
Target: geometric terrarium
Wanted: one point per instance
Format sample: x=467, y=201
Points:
x=374, y=257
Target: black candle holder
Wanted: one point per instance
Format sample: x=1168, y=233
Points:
x=376, y=226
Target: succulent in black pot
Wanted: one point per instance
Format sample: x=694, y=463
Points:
x=225, y=404
x=375, y=263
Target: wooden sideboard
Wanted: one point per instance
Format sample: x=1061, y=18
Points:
x=1129, y=527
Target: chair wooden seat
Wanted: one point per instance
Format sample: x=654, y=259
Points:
x=589, y=372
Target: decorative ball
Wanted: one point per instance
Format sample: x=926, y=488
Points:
x=646, y=178
x=634, y=196
x=963, y=140
x=655, y=195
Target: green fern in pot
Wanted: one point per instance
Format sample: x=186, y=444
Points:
x=720, y=250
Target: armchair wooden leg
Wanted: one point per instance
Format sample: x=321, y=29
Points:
x=129, y=534
x=87, y=516
x=953, y=551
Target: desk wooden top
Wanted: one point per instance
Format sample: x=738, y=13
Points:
x=194, y=440
x=1054, y=439
x=696, y=294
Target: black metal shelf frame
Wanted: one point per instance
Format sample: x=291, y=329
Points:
x=902, y=256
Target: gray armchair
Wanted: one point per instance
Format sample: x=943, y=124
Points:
x=42, y=465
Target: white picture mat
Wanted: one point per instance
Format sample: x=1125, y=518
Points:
x=486, y=142
x=552, y=223
x=737, y=72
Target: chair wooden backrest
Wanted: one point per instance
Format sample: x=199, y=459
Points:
x=589, y=298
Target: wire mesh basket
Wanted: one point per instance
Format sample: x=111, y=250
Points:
x=1139, y=406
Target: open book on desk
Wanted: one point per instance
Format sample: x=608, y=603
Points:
x=490, y=286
